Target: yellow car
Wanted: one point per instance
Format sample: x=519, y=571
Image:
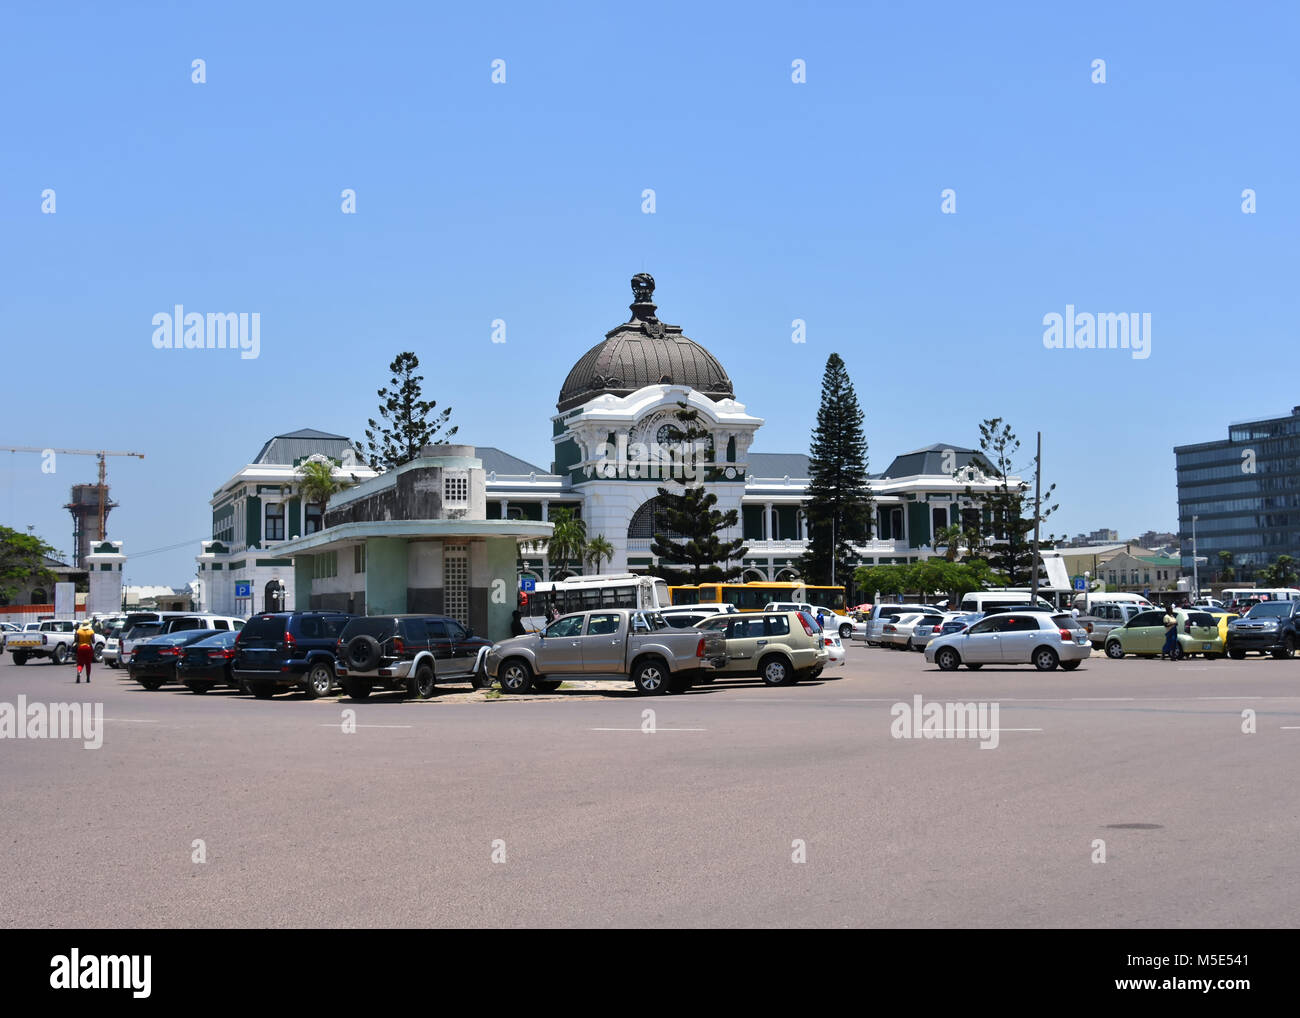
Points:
x=1144, y=635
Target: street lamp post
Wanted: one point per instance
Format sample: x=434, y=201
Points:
x=1087, y=591
x=1196, y=580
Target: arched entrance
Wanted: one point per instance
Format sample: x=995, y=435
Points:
x=273, y=598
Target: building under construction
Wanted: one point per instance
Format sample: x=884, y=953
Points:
x=88, y=524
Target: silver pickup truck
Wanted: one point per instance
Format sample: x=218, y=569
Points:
x=639, y=645
x=1101, y=618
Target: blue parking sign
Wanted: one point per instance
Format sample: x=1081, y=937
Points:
x=1080, y=583
x=244, y=589
x=527, y=584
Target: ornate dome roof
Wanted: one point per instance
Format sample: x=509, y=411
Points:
x=643, y=351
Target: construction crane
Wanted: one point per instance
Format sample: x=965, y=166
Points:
x=103, y=471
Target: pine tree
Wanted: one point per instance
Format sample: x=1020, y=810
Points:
x=691, y=516
x=409, y=421
x=839, y=508
x=1008, y=531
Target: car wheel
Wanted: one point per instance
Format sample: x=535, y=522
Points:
x=114, y=665
x=362, y=653
x=151, y=684
x=515, y=676
x=846, y=631
x=1114, y=650
x=99, y=653
x=20, y=658
x=1237, y=655
x=357, y=690
x=1287, y=650
x=422, y=684
x=479, y=677
x=1212, y=657
x=776, y=671
x=60, y=654
x=1045, y=659
x=1070, y=666
x=650, y=677
x=947, y=659
x=262, y=690
x=198, y=687
x=547, y=685
x=977, y=667
x=320, y=680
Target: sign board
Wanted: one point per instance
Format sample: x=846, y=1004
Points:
x=65, y=600
x=527, y=584
x=243, y=588
x=1080, y=583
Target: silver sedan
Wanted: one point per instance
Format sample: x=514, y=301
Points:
x=1013, y=638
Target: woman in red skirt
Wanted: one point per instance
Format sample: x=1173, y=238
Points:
x=85, y=649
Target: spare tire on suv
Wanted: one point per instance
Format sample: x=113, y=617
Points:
x=362, y=653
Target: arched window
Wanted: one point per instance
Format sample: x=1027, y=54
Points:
x=648, y=521
x=731, y=449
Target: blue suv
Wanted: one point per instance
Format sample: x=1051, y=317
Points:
x=288, y=650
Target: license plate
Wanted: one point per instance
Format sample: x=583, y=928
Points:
x=1207, y=646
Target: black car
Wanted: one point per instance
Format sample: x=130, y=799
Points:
x=153, y=663
x=207, y=663
x=408, y=652
x=289, y=650
x=1271, y=627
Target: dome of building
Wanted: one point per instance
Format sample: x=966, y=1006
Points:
x=643, y=351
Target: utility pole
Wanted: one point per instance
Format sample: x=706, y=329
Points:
x=1038, y=497
x=1196, y=577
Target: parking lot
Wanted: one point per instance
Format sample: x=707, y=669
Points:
x=746, y=805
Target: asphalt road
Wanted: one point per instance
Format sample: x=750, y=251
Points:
x=693, y=825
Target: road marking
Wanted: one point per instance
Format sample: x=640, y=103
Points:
x=336, y=724
x=1102, y=699
x=1230, y=698
x=648, y=733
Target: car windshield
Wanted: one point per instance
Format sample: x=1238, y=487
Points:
x=379, y=628
x=264, y=627
x=224, y=638
x=1270, y=610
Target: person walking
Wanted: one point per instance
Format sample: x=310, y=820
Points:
x=85, y=642
x=517, y=624
x=1170, y=648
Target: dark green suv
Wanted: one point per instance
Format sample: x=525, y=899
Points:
x=408, y=652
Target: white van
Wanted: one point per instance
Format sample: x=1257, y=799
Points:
x=983, y=600
x=1106, y=597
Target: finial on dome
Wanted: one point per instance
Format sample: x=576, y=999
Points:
x=643, y=291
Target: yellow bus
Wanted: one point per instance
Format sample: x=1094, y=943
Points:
x=751, y=597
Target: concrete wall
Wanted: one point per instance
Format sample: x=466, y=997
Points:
x=386, y=575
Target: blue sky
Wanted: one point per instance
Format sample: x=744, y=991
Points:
x=522, y=201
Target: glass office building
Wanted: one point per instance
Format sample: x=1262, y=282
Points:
x=1245, y=493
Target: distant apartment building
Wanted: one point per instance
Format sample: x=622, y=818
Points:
x=1244, y=493
x=1088, y=540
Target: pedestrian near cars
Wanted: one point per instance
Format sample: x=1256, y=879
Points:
x=517, y=624
x=85, y=643
x=1170, y=648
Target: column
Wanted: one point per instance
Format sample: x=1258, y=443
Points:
x=768, y=528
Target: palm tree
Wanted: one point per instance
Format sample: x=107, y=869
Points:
x=1225, y=567
x=568, y=538
x=318, y=484
x=598, y=548
x=951, y=538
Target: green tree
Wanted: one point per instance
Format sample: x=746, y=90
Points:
x=22, y=562
x=949, y=538
x=409, y=421
x=692, y=527
x=839, y=505
x=599, y=548
x=317, y=484
x=568, y=541
x=1226, y=574
x=1008, y=532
